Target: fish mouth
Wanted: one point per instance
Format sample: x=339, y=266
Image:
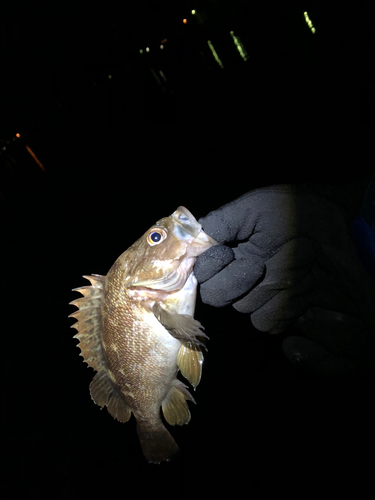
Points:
x=200, y=244
x=187, y=224
x=189, y=229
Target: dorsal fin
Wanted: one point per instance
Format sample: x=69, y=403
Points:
x=89, y=324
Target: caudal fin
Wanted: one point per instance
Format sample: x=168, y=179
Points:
x=157, y=444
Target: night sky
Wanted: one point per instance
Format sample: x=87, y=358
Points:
x=114, y=155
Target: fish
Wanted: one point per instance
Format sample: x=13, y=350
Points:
x=136, y=329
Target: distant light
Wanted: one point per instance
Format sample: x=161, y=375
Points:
x=308, y=22
x=18, y=135
x=214, y=53
x=35, y=158
x=184, y=21
x=162, y=46
x=164, y=40
x=147, y=49
x=141, y=51
x=241, y=49
x=110, y=77
x=193, y=12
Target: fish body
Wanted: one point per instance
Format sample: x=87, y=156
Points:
x=136, y=329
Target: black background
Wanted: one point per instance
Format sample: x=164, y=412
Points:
x=259, y=427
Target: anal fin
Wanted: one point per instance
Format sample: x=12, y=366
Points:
x=175, y=409
x=105, y=393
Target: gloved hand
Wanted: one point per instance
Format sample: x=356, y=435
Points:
x=289, y=260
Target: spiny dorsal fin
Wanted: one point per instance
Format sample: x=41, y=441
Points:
x=105, y=393
x=175, y=409
x=190, y=361
x=89, y=324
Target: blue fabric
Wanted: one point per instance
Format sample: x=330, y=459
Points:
x=364, y=237
x=363, y=228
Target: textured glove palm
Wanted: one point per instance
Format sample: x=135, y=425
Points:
x=286, y=257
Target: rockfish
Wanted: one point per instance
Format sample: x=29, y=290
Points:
x=136, y=329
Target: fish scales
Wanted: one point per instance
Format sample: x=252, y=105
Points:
x=145, y=349
x=136, y=329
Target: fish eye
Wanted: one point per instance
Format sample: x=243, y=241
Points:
x=156, y=236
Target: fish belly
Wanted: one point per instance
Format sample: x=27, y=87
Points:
x=141, y=357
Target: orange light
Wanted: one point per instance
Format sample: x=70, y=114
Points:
x=18, y=135
x=35, y=158
x=184, y=21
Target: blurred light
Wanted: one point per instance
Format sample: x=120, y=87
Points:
x=184, y=21
x=162, y=46
x=147, y=49
x=217, y=59
x=158, y=80
x=141, y=51
x=309, y=23
x=18, y=135
x=35, y=158
x=163, y=41
x=110, y=77
x=238, y=44
x=193, y=12
x=162, y=75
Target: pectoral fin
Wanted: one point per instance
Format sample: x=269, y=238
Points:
x=181, y=326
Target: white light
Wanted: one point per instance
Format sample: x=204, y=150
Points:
x=162, y=46
x=147, y=49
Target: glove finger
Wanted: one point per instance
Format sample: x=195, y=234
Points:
x=315, y=359
x=212, y=261
x=283, y=309
x=232, y=222
x=338, y=332
x=232, y=282
x=254, y=212
x=284, y=271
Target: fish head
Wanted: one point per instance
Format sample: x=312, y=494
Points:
x=163, y=258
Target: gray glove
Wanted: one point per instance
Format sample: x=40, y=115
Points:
x=289, y=260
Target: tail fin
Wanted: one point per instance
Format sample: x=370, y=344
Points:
x=157, y=443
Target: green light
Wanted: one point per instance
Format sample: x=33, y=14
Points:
x=141, y=51
x=193, y=12
x=240, y=47
x=308, y=22
x=215, y=54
